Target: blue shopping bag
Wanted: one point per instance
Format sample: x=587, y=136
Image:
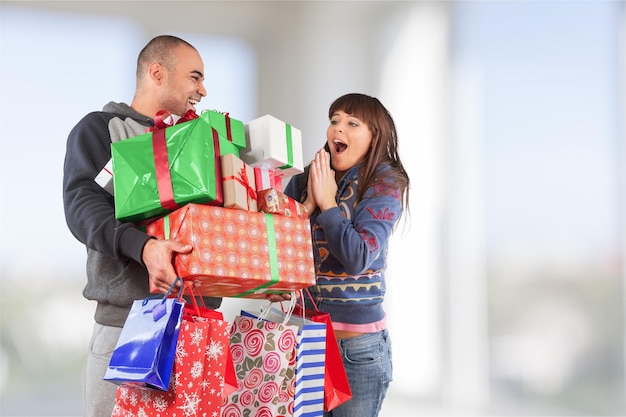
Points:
x=145, y=351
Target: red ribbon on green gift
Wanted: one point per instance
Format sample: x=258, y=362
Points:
x=161, y=161
x=162, y=115
x=229, y=132
x=162, y=168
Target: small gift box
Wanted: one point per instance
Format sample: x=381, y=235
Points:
x=276, y=202
x=265, y=178
x=238, y=184
x=105, y=177
x=158, y=172
x=239, y=253
x=272, y=143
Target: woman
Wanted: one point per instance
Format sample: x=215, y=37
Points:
x=355, y=191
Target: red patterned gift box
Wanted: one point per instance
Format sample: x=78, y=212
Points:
x=238, y=253
x=276, y=202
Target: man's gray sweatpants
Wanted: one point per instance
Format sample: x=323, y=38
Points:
x=100, y=394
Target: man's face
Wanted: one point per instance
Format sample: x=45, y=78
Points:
x=184, y=86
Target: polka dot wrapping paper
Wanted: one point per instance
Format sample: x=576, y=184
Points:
x=237, y=253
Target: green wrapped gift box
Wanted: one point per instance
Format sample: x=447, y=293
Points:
x=232, y=130
x=157, y=172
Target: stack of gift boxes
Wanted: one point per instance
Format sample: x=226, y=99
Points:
x=216, y=183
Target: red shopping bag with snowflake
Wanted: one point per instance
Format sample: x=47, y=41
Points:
x=197, y=383
x=264, y=355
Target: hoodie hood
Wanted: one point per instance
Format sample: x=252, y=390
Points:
x=125, y=110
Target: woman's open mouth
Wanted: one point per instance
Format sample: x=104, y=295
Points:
x=339, y=146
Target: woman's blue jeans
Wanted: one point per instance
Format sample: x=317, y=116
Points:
x=368, y=364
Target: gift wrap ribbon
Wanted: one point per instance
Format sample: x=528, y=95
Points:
x=273, y=254
x=271, y=240
x=243, y=180
x=161, y=161
x=289, y=144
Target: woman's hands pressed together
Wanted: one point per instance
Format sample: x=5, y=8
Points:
x=322, y=186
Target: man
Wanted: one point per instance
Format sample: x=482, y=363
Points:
x=121, y=259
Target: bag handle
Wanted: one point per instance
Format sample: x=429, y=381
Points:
x=299, y=307
x=310, y=298
x=192, y=295
x=293, y=301
x=159, y=310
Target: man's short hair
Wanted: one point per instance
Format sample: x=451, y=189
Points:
x=159, y=49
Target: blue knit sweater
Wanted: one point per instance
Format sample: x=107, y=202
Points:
x=350, y=244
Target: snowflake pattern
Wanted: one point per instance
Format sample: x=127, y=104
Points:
x=205, y=383
x=190, y=406
x=133, y=399
x=215, y=350
x=196, y=369
x=123, y=393
x=181, y=353
x=145, y=396
x=197, y=337
x=159, y=403
x=197, y=381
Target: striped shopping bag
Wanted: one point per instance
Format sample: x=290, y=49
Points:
x=310, y=362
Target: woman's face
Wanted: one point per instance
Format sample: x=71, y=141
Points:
x=349, y=140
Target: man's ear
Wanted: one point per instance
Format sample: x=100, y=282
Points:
x=156, y=72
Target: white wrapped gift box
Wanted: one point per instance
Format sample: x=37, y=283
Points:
x=273, y=144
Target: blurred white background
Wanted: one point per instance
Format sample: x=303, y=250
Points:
x=506, y=285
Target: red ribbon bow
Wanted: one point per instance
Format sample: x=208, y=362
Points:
x=160, y=119
x=243, y=180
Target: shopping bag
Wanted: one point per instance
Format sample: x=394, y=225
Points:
x=196, y=387
x=199, y=312
x=336, y=385
x=264, y=354
x=310, y=362
x=184, y=392
x=144, y=353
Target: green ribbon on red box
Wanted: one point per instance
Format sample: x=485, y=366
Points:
x=271, y=241
x=273, y=254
